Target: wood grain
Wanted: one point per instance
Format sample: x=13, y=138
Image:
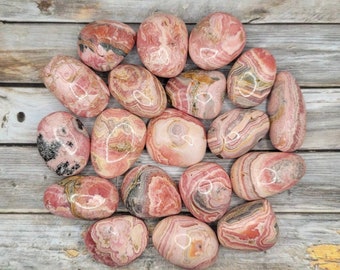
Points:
x=256, y=11
x=56, y=239
x=28, y=177
x=309, y=52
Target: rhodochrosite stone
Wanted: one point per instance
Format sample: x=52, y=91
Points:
x=63, y=142
x=206, y=191
x=86, y=197
x=198, y=92
x=76, y=86
x=118, y=139
x=251, y=78
x=235, y=132
x=149, y=192
x=186, y=242
x=250, y=226
x=257, y=175
x=162, y=44
x=137, y=90
x=287, y=112
x=216, y=40
x=116, y=241
x=102, y=45
x=176, y=138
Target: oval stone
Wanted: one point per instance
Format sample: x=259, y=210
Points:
x=118, y=139
x=216, y=40
x=149, y=192
x=259, y=175
x=103, y=44
x=198, y=92
x=64, y=143
x=251, y=78
x=287, y=113
x=76, y=86
x=176, y=138
x=186, y=242
x=235, y=132
x=250, y=226
x=137, y=90
x=162, y=44
x=116, y=241
x=86, y=197
x=206, y=191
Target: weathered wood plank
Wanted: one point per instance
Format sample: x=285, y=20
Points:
x=308, y=51
x=323, y=114
x=23, y=181
x=257, y=11
x=48, y=242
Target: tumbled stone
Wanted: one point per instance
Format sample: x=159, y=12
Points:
x=258, y=175
x=162, y=44
x=206, y=191
x=287, y=113
x=176, y=138
x=80, y=196
x=116, y=241
x=118, y=139
x=186, y=242
x=198, y=92
x=251, y=78
x=103, y=44
x=216, y=40
x=149, y=192
x=63, y=142
x=237, y=131
x=137, y=90
x=76, y=86
x=250, y=226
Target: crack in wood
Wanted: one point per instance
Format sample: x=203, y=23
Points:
x=5, y=119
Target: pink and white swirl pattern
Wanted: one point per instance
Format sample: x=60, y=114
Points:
x=216, y=40
x=186, y=242
x=287, y=113
x=162, y=44
x=250, y=226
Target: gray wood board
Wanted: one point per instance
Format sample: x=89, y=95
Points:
x=323, y=114
x=49, y=242
x=255, y=11
x=23, y=182
x=310, y=52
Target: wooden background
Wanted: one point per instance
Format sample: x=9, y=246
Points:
x=304, y=37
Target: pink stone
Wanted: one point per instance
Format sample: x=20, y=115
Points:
x=251, y=78
x=76, y=86
x=118, y=139
x=198, y=92
x=86, y=197
x=63, y=142
x=206, y=191
x=116, y=241
x=235, y=132
x=102, y=45
x=287, y=113
x=149, y=192
x=162, y=44
x=186, y=242
x=250, y=226
x=137, y=90
x=216, y=40
x=259, y=175
x=176, y=138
